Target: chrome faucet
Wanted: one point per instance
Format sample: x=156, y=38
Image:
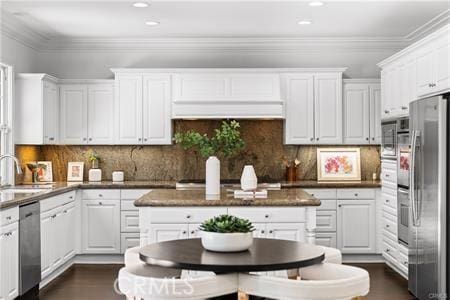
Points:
x=16, y=161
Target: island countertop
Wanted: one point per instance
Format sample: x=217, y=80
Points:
x=171, y=197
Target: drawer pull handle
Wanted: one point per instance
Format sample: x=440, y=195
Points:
x=70, y=197
x=387, y=225
x=65, y=211
x=188, y=216
x=387, y=200
x=54, y=216
x=386, y=175
x=356, y=194
x=184, y=232
x=100, y=195
x=405, y=263
x=388, y=250
x=266, y=216
x=8, y=218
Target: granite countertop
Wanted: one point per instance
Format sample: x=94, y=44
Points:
x=171, y=197
x=53, y=189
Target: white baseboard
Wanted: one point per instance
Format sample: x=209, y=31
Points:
x=362, y=258
x=56, y=273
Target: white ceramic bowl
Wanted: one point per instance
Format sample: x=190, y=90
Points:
x=226, y=242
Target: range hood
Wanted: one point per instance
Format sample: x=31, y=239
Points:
x=216, y=95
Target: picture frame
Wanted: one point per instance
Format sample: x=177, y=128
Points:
x=338, y=164
x=75, y=171
x=44, y=171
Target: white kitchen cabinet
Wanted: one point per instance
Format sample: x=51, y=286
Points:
x=327, y=239
x=313, y=108
x=328, y=108
x=51, y=254
x=356, y=113
x=375, y=113
x=128, y=240
x=156, y=110
x=36, y=101
x=100, y=226
x=299, y=122
x=286, y=231
x=87, y=113
x=326, y=221
x=68, y=222
x=73, y=98
x=100, y=114
x=167, y=232
x=356, y=226
x=9, y=261
x=142, y=109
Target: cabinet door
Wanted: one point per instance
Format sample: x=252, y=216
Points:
x=299, y=122
x=51, y=113
x=167, y=232
x=58, y=230
x=48, y=242
x=356, y=230
x=128, y=240
x=326, y=220
x=375, y=113
x=442, y=64
x=73, y=114
x=390, y=87
x=425, y=70
x=100, y=114
x=328, y=108
x=9, y=261
x=68, y=233
x=156, y=110
x=101, y=226
x=356, y=113
x=128, y=109
x=286, y=231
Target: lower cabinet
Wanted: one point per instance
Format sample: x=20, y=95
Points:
x=128, y=240
x=356, y=220
x=58, y=242
x=9, y=261
x=327, y=239
x=100, y=227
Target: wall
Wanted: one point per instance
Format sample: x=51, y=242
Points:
x=264, y=149
x=21, y=57
x=97, y=64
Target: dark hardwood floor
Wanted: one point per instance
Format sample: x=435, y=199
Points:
x=95, y=282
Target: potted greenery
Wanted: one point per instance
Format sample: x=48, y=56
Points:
x=226, y=141
x=226, y=233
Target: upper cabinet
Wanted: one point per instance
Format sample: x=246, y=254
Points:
x=313, y=108
x=362, y=115
x=87, y=113
x=142, y=109
x=419, y=71
x=222, y=93
x=36, y=101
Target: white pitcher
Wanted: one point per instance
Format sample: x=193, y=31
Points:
x=249, y=181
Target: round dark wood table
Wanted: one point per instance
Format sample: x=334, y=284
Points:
x=263, y=255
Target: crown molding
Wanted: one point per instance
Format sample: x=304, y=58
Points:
x=362, y=80
x=227, y=70
x=437, y=22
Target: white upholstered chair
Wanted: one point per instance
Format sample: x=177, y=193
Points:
x=332, y=255
x=326, y=281
x=138, y=280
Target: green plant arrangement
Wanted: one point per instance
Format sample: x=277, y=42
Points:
x=227, y=224
x=226, y=140
x=94, y=159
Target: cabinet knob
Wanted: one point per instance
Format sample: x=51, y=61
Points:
x=367, y=139
x=262, y=231
x=139, y=139
x=70, y=197
x=404, y=108
x=311, y=139
x=340, y=205
x=317, y=139
x=356, y=194
x=386, y=175
x=65, y=211
x=84, y=139
x=388, y=250
x=54, y=216
x=193, y=231
x=386, y=111
x=184, y=232
x=100, y=203
x=270, y=231
x=387, y=200
x=90, y=139
x=145, y=139
x=8, y=218
x=405, y=263
x=266, y=216
x=100, y=195
x=373, y=139
x=51, y=139
x=188, y=216
x=387, y=225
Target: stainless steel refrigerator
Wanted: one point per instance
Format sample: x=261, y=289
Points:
x=428, y=214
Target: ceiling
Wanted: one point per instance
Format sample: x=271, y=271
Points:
x=119, y=19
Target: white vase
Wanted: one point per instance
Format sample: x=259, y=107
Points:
x=212, y=176
x=226, y=242
x=249, y=181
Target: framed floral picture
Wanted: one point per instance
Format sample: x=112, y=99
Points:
x=75, y=171
x=336, y=164
x=44, y=171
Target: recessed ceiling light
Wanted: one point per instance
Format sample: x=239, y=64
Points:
x=152, y=23
x=316, y=3
x=140, y=4
x=304, y=22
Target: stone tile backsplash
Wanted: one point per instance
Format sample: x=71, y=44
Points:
x=264, y=149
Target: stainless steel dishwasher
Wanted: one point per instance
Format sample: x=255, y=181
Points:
x=29, y=250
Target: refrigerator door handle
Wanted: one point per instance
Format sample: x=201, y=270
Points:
x=412, y=179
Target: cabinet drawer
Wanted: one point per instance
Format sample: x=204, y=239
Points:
x=129, y=221
x=133, y=194
x=387, y=189
x=389, y=252
x=55, y=201
x=100, y=194
x=389, y=201
x=327, y=239
x=356, y=194
x=389, y=164
x=269, y=214
x=8, y=216
x=322, y=194
x=389, y=225
x=184, y=215
x=327, y=205
x=402, y=262
x=326, y=221
x=128, y=240
x=128, y=205
x=389, y=176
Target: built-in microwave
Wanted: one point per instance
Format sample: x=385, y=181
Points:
x=389, y=132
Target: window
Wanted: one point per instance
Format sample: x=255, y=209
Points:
x=6, y=119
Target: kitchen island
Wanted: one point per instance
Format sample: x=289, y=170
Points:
x=168, y=214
